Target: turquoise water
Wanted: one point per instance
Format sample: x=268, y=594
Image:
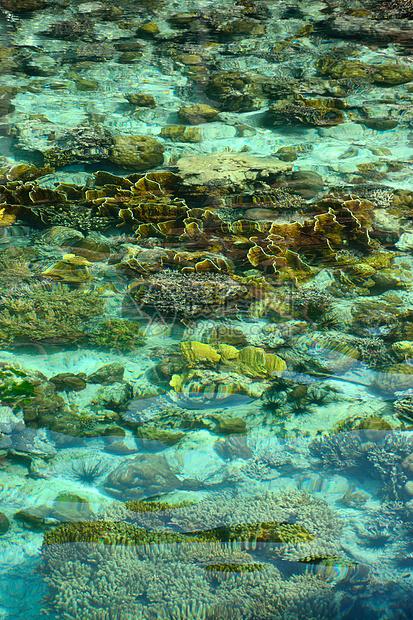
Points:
x=206, y=310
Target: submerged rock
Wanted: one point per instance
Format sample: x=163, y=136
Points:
x=229, y=169
x=141, y=100
x=395, y=378
x=199, y=113
x=137, y=152
x=4, y=523
x=22, y=6
x=143, y=476
x=114, y=396
x=107, y=374
x=69, y=382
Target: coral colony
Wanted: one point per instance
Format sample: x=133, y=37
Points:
x=206, y=310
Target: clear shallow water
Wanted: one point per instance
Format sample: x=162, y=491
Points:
x=205, y=311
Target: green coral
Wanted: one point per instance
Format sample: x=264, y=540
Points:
x=108, y=533
x=120, y=533
x=144, y=506
x=58, y=157
x=49, y=316
x=273, y=531
x=119, y=334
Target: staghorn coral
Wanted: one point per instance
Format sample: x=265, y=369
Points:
x=380, y=458
x=117, y=334
x=172, y=294
x=79, y=216
x=312, y=303
x=373, y=352
x=148, y=506
x=84, y=143
x=175, y=575
x=396, y=9
x=14, y=272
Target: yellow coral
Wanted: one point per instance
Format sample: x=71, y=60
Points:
x=255, y=362
x=194, y=351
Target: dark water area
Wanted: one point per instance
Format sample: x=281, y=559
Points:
x=206, y=310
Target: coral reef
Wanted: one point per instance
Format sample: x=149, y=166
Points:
x=225, y=305
x=49, y=316
x=171, y=294
x=117, y=334
x=380, y=455
x=206, y=576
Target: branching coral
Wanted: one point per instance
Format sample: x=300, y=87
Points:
x=117, y=334
x=178, y=575
x=172, y=294
x=382, y=458
x=48, y=316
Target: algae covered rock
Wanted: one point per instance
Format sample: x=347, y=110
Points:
x=235, y=90
x=199, y=113
x=357, y=70
x=114, y=396
x=22, y=6
x=83, y=84
x=181, y=133
x=234, y=447
x=150, y=437
x=313, y=112
x=232, y=426
x=137, y=152
x=107, y=374
x=141, y=100
x=61, y=235
x=69, y=382
x=68, y=507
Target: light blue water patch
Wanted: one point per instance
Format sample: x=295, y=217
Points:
x=21, y=593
